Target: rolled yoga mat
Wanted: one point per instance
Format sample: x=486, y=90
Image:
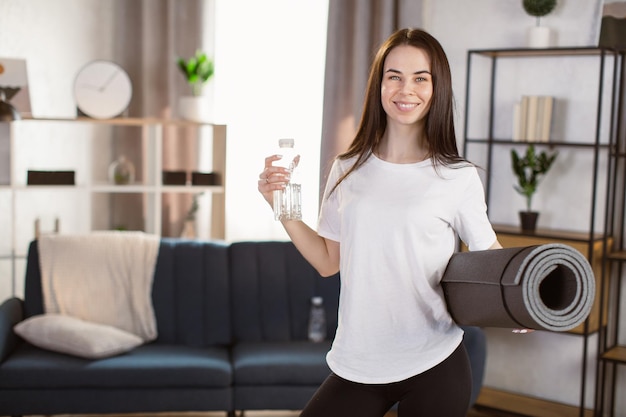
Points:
x=543, y=287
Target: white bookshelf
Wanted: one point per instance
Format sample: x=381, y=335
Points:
x=85, y=146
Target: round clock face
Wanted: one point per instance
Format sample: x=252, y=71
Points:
x=102, y=89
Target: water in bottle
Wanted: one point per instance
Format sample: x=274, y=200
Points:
x=317, y=320
x=288, y=202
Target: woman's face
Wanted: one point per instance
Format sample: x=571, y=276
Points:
x=407, y=85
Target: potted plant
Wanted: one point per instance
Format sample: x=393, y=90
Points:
x=198, y=71
x=538, y=36
x=529, y=170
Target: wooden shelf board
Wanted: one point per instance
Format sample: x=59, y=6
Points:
x=121, y=121
x=549, y=144
x=547, y=233
x=140, y=188
x=526, y=406
x=616, y=354
x=530, y=52
x=617, y=256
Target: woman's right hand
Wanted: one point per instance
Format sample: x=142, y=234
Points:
x=272, y=178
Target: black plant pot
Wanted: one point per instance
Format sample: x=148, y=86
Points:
x=528, y=219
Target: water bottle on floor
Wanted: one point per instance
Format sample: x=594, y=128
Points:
x=317, y=320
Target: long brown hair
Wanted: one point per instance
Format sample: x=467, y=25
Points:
x=440, y=134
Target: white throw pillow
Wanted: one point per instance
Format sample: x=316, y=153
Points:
x=74, y=336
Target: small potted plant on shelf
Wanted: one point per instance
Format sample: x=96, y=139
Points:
x=198, y=70
x=539, y=36
x=529, y=170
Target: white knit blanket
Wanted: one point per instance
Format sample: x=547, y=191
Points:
x=101, y=277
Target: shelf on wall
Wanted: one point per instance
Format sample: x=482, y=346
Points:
x=103, y=203
x=617, y=256
x=123, y=121
x=551, y=143
x=552, y=52
x=140, y=188
x=548, y=233
x=615, y=354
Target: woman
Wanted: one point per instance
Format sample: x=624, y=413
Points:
x=394, y=205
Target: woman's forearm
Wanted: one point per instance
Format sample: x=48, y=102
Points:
x=321, y=253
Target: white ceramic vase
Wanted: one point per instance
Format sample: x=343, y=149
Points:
x=539, y=37
x=196, y=108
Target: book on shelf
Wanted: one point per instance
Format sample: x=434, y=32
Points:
x=532, y=118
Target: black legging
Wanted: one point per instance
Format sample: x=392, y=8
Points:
x=443, y=391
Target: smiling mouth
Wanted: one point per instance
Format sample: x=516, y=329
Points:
x=406, y=106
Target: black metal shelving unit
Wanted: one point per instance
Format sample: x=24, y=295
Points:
x=601, y=145
x=612, y=344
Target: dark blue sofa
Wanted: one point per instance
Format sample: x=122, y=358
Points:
x=232, y=335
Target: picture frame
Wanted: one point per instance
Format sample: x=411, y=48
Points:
x=14, y=84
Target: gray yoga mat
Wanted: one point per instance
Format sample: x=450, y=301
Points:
x=543, y=287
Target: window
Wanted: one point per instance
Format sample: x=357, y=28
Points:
x=270, y=60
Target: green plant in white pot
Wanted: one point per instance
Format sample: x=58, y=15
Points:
x=198, y=70
x=529, y=169
x=539, y=36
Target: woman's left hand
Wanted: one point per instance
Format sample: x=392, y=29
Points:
x=272, y=178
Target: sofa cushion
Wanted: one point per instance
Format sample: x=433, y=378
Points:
x=74, y=336
x=148, y=366
x=276, y=363
x=272, y=285
x=191, y=293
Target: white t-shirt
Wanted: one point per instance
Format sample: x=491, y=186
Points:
x=397, y=226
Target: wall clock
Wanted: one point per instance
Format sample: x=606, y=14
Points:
x=102, y=89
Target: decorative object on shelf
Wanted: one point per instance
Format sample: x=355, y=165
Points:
x=205, y=178
x=539, y=36
x=613, y=26
x=102, y=90
x=529, y=170
x=189, y=224
x=122, y=171
x=50, y=177
x=8, y=113
x=14, y=89
x=197, y=70
x=532, y=119
x=174, y=177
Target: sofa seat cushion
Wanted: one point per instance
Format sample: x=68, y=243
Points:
x=280, y=363
x=148, y=366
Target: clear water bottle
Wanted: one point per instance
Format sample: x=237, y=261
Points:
x=288, y=202
x=317, y=320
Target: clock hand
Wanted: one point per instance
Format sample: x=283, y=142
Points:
x=90, y=86
x=108, y=81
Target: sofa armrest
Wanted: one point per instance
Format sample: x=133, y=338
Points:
x=11, y=313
